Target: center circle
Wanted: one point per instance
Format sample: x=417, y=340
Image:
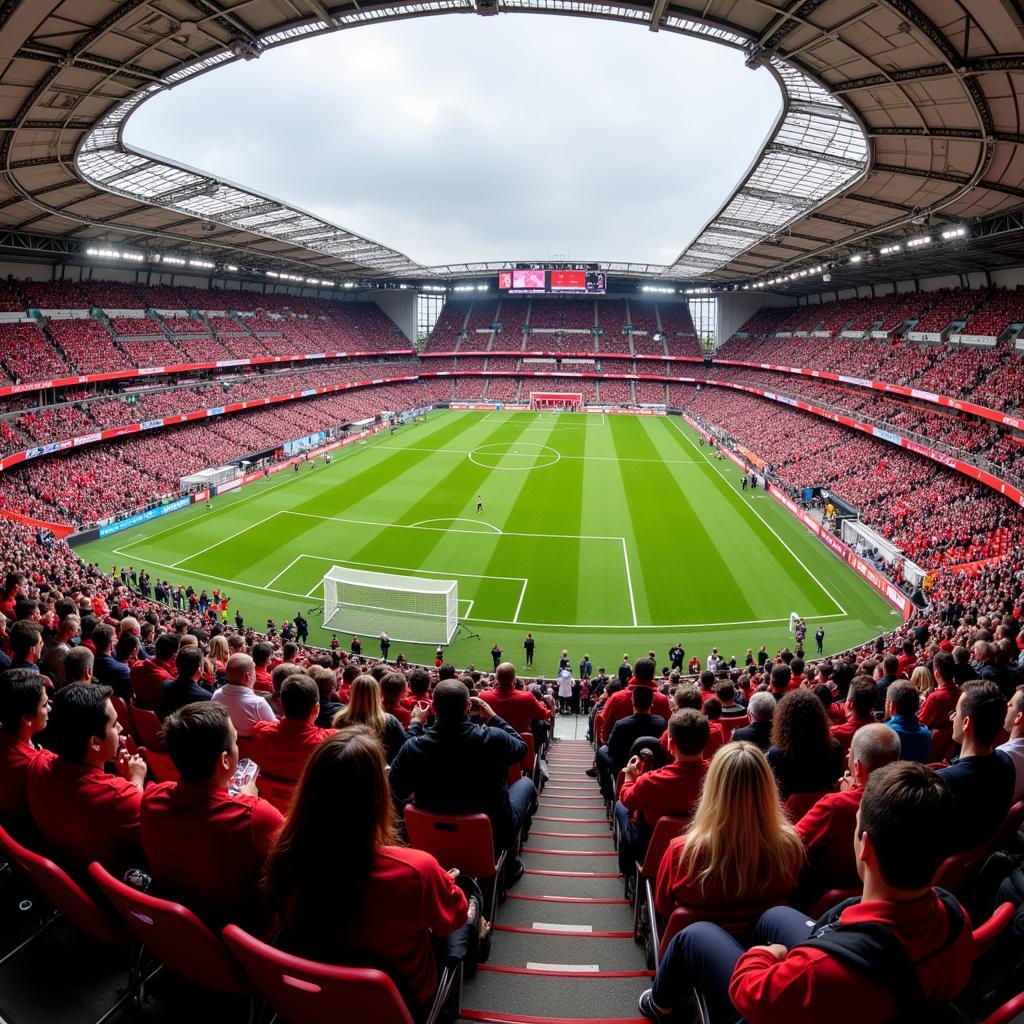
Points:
x=514, y=456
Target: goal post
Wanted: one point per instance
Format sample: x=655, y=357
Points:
x=410, y=609
x=556, y=401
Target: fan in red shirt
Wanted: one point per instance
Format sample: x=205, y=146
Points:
x=675, y=789
x=939, y=705
x=84, y=812
x=205, y=847
x=148, y=676
x=803, y=972
x=827, y=828
x=860, y=705
x=24, y=711
x=261, y=655
x=392, y=690
x=397, y=900
x=688, y=696
x=907, y=658
x=517, y=707
x=620, y=704
x=282, y=748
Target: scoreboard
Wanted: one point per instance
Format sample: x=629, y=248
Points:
x=552, y=282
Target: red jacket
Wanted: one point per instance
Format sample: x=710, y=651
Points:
x=674, y=888
x=827, y=834
x=620, y=704
x=263, y=684
x=938, y=706
x=401, y=712
x=674, y=789
x=146, y=679
x=16, y=760
x=518, y=707
x=208, y=849
x=282, y=748
x=843, y=734
x=716, y=740
x=86, y=814
x=809, y=986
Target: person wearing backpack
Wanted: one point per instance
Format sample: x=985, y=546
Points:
x=901, y=953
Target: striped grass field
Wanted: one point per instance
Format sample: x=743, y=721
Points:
x=600, y=534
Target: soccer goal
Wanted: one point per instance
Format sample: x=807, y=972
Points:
x=409, y=609
x=556, y=401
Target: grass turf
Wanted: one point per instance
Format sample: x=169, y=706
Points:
x=602, y=534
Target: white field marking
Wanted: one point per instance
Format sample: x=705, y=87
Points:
x=436, y=529
x=543, y=926
x=566, y=968
x=469, y=607
x=770, y=528
x=575, y=458
x=629, y=580
x=406, y=569
x=519, y=605
x=271, y=582
x=479, y=450
x=651, y=625
x=224, y=540
x=458, y=519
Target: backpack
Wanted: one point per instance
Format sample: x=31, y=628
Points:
x=872, y=950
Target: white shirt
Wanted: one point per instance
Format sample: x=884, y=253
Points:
x=245, y=706
x=565, y=683
x=1014, y=750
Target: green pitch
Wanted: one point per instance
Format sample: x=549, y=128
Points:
x=601, y=534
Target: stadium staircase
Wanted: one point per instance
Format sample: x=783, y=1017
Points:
x=562, y=947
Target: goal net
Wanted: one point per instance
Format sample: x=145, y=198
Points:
x=556, y=401
x=409, y=609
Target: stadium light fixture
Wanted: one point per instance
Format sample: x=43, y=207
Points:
x=482, y=287
x=349, y=284
x=888, y=250
x=174, y=261
x=954, y=233
x=203, y=264
x=916, y=243
x=115, y=254
x=231, y=268
x=856, y=258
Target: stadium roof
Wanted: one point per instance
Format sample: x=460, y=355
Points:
x=895, y=115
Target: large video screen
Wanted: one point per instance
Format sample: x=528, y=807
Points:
x=552, y=282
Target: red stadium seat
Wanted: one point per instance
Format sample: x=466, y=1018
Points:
x=147, y=728
x=798, y=804
x=645, y=915
x=730, y=724
x=735, y=920
x=173, y=934
x=1008, y=1013
x=160, y=765
x=831, y=899
x=305, y=992
x=985, y=935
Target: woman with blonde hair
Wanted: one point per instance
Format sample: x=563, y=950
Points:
x=366, y=707
x=219, y=654
x=923, y=680
x=740, y=847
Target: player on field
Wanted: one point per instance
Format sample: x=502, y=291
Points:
x=479, y=504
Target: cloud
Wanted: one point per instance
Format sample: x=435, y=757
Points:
x=465, y=139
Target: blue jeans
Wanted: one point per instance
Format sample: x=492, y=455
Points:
x=633, y=839
x=522, y=796
x=704, y=956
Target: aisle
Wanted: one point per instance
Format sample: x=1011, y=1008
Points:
x=563, y=947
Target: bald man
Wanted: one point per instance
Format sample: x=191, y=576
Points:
x=245, y=706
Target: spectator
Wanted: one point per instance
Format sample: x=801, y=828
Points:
x=890, y=673
x=396, y=899
x=148, y=677
x=827, y=828
x=803, y=755
x=24, y=711
x=1014, y=747
x=26, y=642
x=83, y=812
x=107, y=670
x=937, y=711
x=327, y=684
x=781, y=676
x=366, y=707
x=244, y=705
x=982, y=778
x=675, y=789
x=626, y=731
x=78, y=666
x=519, y=708
x=205, y=847
x=900, y=840
x=261, y=655
x=620, y=704
x=186, y=688
x=392, y=691
x=282, y=748
x=57, y=646
x=761, y=709
x=739, y=849
x=458, y=767
x=901, y=704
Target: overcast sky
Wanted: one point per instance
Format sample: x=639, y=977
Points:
x=459, y=139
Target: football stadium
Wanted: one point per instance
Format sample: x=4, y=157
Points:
x=488, y=634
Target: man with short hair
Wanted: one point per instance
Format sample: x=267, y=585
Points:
x=26, y=642
x=261, y=655
x=517, y=707
x=281, y=748
x=107, y=670
x=24, y=710
x=827, y=828
x=83, y=812
x=149, y=676
x=245, y=706
x=459, y=767
x=204, y=846
x=327, y=685
x=648, y=795
x=860, y=705
x=901, y=704
x=620, y=704
x=761, y=709
x=890, y=672
x=780, y=678
x=791, y=974
x=982, y=778
x=57, y=646
x=625, y=670
x=1014, y=747
x=186, y=688
x=78, y=666
x=628, y=730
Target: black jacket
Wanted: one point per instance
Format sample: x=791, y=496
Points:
x=460, y=768
x=176, y=693
x=757, y=732
x=629, y=729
